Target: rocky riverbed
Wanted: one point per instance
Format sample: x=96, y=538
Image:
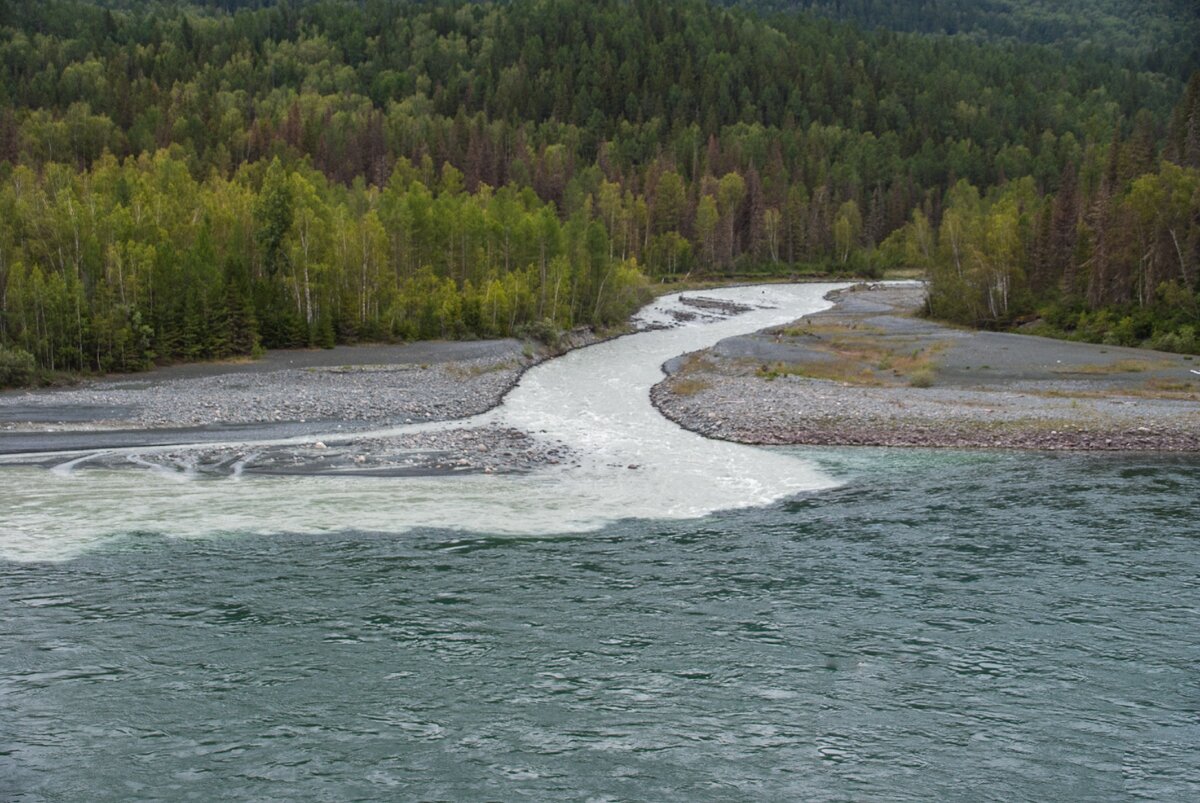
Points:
x=350, y=385
x=866, y=372
x=128, y=420
x=869, y=372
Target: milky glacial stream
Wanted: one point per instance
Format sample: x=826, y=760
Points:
x=635, y=463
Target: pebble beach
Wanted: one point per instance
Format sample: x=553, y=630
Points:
x=871, y=372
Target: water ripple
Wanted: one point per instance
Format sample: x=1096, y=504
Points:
x=915, y=634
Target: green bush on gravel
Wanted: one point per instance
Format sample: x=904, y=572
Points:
x=17, y=367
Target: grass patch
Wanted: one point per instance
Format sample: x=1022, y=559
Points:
x=690, y=378
x=861, y=355
x=1170, y=386
x=1128, y=366
x=460, y=371
x=829, y=331
x=848, y=373
x=689, y=386
x=1150, y=390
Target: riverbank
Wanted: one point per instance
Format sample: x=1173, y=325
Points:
x=293, y=394
x=583, y=422
x=349, y=384
x=868, y=372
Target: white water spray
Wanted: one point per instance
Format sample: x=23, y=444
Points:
x=636, y=464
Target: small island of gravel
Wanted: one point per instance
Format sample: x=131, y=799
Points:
x=870, y=372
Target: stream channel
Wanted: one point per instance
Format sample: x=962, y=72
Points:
x=670, y=619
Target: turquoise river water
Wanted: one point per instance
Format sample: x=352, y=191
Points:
x=942, y=626
x=670, y=619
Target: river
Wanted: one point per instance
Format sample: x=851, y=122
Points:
x=719, y=623
x=594, y=400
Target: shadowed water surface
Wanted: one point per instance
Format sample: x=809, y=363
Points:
x=943, y=626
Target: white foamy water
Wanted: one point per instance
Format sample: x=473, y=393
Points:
x=596, y=400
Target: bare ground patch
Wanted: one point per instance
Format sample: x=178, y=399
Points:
x=868, y=372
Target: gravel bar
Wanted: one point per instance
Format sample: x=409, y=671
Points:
x=985, y=389
x=336, y=395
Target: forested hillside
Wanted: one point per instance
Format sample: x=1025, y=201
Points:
x=192, y=181
x=1112, y=257
x=1156, y=35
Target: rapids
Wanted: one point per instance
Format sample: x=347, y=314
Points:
x=635, y=463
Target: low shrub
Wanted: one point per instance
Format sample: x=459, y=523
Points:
x=17, y=367
x=1182, y=341
x=543, y=331
x=921, y=378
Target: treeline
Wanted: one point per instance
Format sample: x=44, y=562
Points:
x=1112, y=257
x=111, y=269
x=1155, y=35
x=549, y=153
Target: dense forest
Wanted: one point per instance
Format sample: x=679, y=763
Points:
x=1112, y=257
x=1155, y=35
x=187, y=181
